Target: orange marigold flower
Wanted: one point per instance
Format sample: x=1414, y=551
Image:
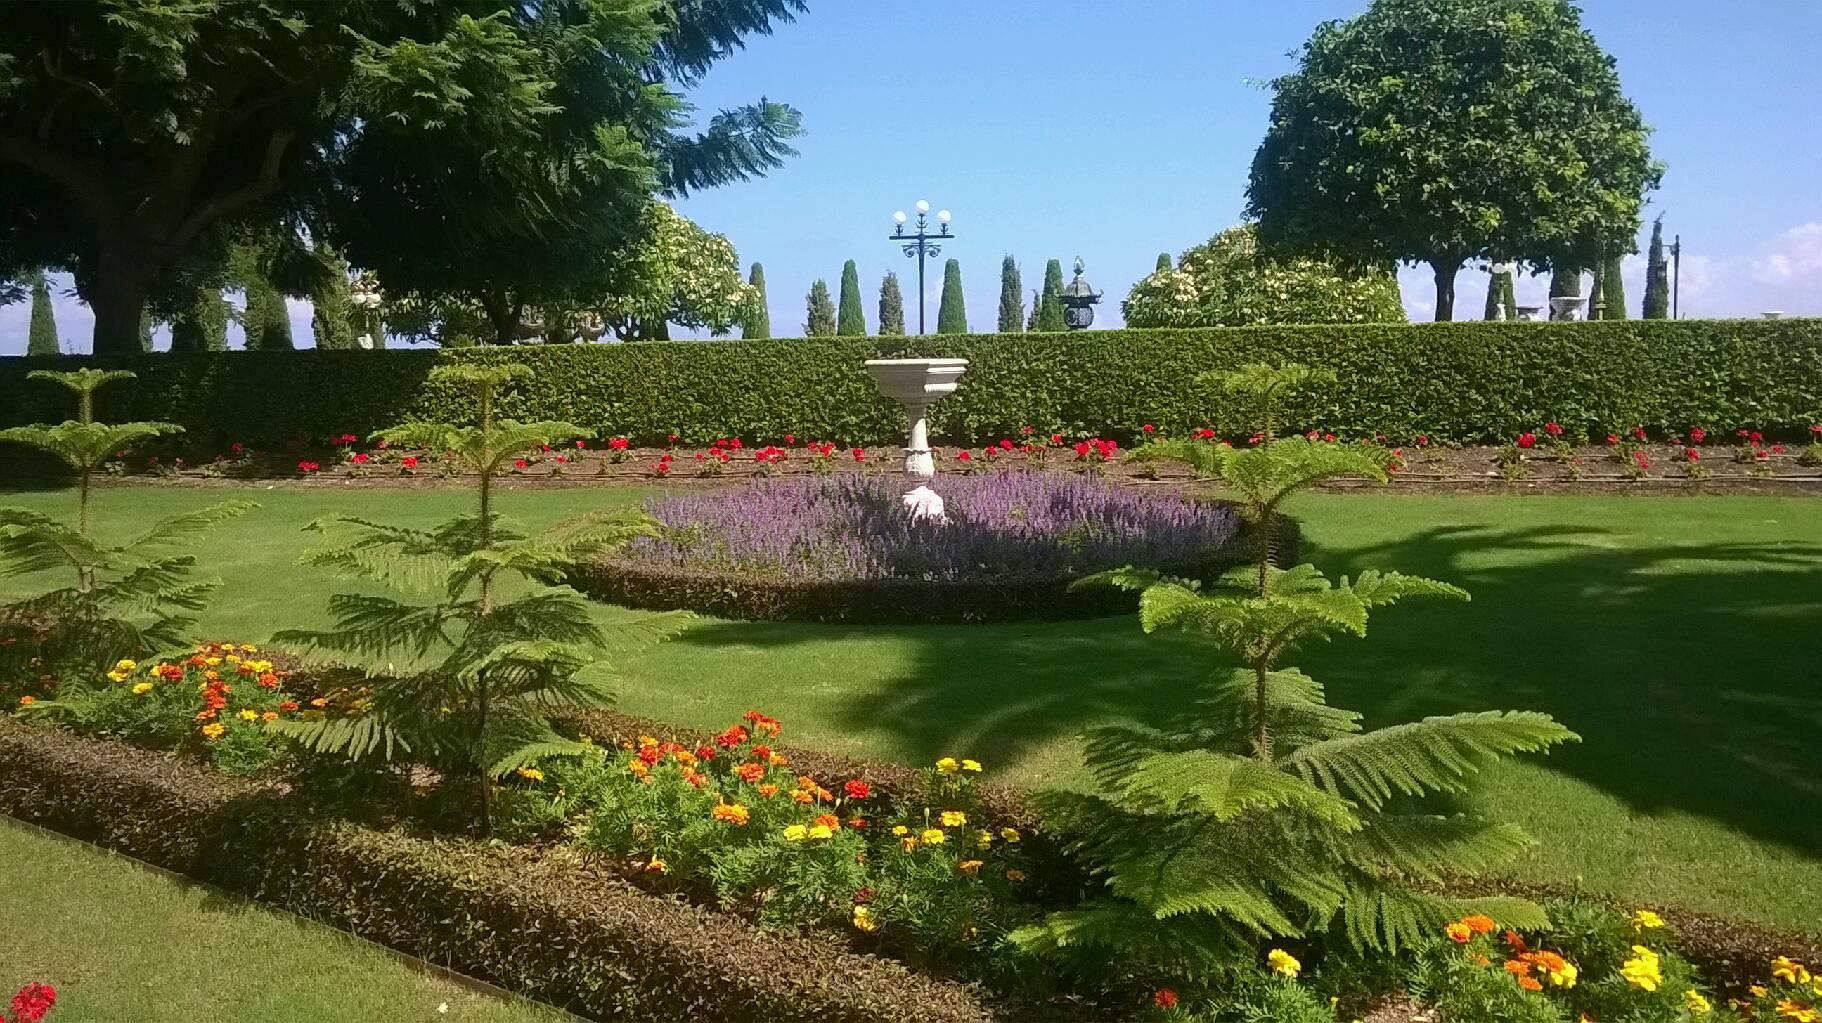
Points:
x=1479, y=923
x=969, y=866
x=270, y=715
x=801, y=796
x=1517, y=967
x=1459, y=933
x=778, y=760
x=768, y=790
x=750, y=772
x=732, y=813
x=319, y=702
x=828, y=820
x=1530, y=983
x=288, y=706
x=1516, y=943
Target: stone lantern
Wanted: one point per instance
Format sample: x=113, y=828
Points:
x=1078, y=299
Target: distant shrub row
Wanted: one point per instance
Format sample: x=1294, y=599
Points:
x=1462, y=382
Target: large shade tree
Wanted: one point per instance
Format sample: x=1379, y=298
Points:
x=486, y=147
x=1443, y=131
x=1227, y=282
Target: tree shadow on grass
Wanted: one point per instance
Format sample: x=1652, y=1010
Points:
x=1689, y=671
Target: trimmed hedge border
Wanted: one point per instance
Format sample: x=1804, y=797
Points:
x=548, y=926
x=871, y=601
x=1458, y=382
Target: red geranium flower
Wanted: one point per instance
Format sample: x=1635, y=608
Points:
x=1553, y=428
x=32, y=1002
x=409, y=461
x=581, y=445
x=237, y=447
x=790, y=438
x=964, y=456
x=1026, y=430
x=1005, y=444
x=519, y=463
x=618, y=443
x=1526, y=440
x=1612, y=439
x=1057, y=438
x=1423, y=440
x=1697, y=435
x=1148, y=428
x=307, y=467
x=1329, y=437
x=860, y=454
x=1165, y=998
x=360, y=458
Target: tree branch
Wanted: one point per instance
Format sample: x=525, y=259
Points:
x=55, y=71
x=84, y=179
x=261, y=186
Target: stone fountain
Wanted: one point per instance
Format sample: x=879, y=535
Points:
x=917, y=384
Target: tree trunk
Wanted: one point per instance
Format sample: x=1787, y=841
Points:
x=1445, y=288
x=123, y=276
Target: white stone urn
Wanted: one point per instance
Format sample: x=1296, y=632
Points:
x=1567, y=306
x=917, y=384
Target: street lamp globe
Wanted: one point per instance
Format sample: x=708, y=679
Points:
x=943, y=216
x=923, y=206
x=898, y=216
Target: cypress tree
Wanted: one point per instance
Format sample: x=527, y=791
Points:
x=819, y=311
x=267, y=321
x=1037, y=302
x=42, y=339
x=1163, y=262
x=757, y=323
x=1597, y=293
x=332, y=305
x=891, y=307
x=1657, y=276
x=203, y=325
x=1496, y=289
x=1012, y=298
x=952, y=314
x=1050, y=307
x=145, y=330
x=849, y=320
x=1615, y=289
x=1508, y=294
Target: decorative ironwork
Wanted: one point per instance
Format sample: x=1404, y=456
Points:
x=1078, y=298
x=921, y=245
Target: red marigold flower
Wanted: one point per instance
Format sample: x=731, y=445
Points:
x=750, y=772
x=857, y=789
x=705, y=752
x=1527, y=440
x=734, y=736
x=1164, y=998
x=857, y=822
x=649, y=755
x=288, y=706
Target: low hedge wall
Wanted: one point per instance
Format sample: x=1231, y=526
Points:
x=549, y=926
x=1464, y=382
x=861, y=601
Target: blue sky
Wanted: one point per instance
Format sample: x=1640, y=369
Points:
x=1116, y=131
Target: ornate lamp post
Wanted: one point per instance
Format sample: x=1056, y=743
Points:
x=1078, y=300
x=365, y=296
x=921, y=245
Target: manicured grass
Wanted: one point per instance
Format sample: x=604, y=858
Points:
x=1679, y=636
x=122, y=942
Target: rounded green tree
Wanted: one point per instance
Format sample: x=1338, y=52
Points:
x=1227, y=282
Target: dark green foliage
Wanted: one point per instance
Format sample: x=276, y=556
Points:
x=1048, y=314
x=332, y=319
x=1163, y=261
x=757, y=324
x=1657, y=276
x=1613, y=290
x=603, y=948
x=1565, y=284
x=952, y=313
x=1467, y=382
x=266, y=319
x=1012, y=298
x=850, y=321
x=1476, y=129
x=819, y=311
x=42, y=339
x=202, y=326
x=1496, y=290
x=891, y=307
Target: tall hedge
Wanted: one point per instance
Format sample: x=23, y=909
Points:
x=1453, y=381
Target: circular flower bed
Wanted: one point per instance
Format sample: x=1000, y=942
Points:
x=842, y=548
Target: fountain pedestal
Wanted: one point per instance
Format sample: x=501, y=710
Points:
x=917, y=384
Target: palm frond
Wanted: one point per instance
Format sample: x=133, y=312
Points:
x=1437, y=754
x=182, y=527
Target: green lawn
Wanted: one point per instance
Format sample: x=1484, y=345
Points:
x=122, y=942
x=1679, y=636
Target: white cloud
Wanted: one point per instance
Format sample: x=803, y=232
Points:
x=1795, y=256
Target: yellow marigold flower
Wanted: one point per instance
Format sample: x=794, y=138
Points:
x=1283, y=963
x=821, y=831
x=656, y=866
x=971, y=765
x=530, y=774
x=1757, y=991
x=249, y=715
x=954, y=818
x=213, y=730
x=1782, y=968
x=1009, y=834
x=1641, y=971
x=1645, y=920
x=969, y=866
x=865, y=920
x=142, y=688
x=1015, y=875
x=212, y=662
x=948, y=765
x=1797, y=1012
x=1563, y=976
x=249, y=648
x=684, y=757
x=983, y=840
x=1695, y=1003
x=795, y=833
x=732, y=813
x=1459, y=932
x=638, y=768
x=901, y=831
x=117, y=676
x=933, y=836
x=125, y=665
x=778, y=760
x=646, y=740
